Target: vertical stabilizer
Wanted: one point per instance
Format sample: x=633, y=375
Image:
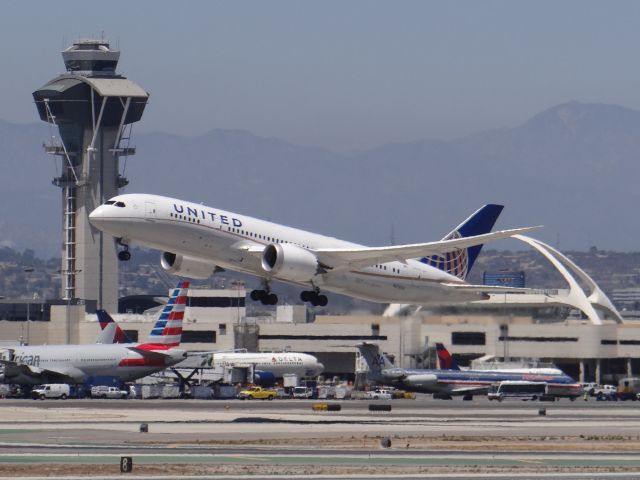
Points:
x=445, y=359
x=375, y=359
x=459, y=262
x=167, y=332
x=111, y=331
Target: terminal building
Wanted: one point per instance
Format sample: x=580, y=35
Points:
x=217, y=320
x=93, y=108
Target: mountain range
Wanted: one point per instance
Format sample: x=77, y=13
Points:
x=573, y=168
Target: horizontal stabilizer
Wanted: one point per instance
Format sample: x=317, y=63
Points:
x=491, y=288
x=150, y=354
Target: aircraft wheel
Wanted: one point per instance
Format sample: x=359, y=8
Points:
x=272, y=299
x=305, y=296
x=124, y=256
x=322, y=300
x=255, y=295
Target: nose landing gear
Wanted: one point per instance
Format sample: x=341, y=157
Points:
x=123, y=255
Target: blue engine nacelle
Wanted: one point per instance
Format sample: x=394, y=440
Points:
x=264, y=379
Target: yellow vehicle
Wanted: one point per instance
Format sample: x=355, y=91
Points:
x=257, y=392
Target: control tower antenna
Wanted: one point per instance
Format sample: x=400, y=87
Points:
x=92, y=107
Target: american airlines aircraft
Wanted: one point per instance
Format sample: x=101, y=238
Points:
x=266, y=366
x=444, y=383
x=197, y=241
x=33, y=365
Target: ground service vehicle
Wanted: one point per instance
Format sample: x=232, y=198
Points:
x=606, y=392
x=518, y=389
x=302, y=392
x=51, y=390
x=628, y=388
x=379, y=394
x=104, y=391
x=257, y=392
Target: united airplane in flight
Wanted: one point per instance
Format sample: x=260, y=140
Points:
x=32, y=365
x=197, y=241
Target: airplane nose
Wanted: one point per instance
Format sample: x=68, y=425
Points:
x=104, y=219
x=95, y=217
x=320, y=368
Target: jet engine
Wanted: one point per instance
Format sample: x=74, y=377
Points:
x=264, y=379
x=420, y=380
x=290, y=262
x=186, y=266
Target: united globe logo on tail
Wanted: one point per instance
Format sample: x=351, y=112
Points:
x=455, y=262
x=459, y=262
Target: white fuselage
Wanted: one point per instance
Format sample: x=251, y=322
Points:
x=278, y=364
x=79, y=362
x=224, y=239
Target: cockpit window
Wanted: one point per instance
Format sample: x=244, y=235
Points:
x=109, y=202
x=120, y=204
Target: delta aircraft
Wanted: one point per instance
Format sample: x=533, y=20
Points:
x=266, y=366
x=445, y=383
x=197, y=241
x=33, y=365
x=446, y=362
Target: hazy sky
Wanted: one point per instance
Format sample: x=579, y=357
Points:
x=339, y=74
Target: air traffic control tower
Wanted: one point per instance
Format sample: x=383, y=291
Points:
x=93, y=109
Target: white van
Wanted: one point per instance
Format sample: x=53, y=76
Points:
x=51, y=390
x=518, y=389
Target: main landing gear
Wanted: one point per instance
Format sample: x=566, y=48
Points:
x=314, y=298
x=264, y=296
x=123, y=255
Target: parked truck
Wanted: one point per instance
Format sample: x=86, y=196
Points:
x=51, y=390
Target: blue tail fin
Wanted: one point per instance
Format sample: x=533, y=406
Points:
x=459, y=262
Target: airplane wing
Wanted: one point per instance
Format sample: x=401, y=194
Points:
x=470, y=390
x=13, y=370
x=364, y=257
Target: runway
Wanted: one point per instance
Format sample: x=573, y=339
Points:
x=287, y=438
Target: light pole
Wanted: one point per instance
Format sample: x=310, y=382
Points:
x=28, y=270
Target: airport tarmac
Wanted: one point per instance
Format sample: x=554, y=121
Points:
x=470, y=439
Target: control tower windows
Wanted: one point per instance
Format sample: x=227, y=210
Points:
x=105, y=66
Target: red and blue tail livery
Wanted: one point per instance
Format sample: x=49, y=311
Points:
x=445, y=359
x=105, y=320
x=167, y=332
